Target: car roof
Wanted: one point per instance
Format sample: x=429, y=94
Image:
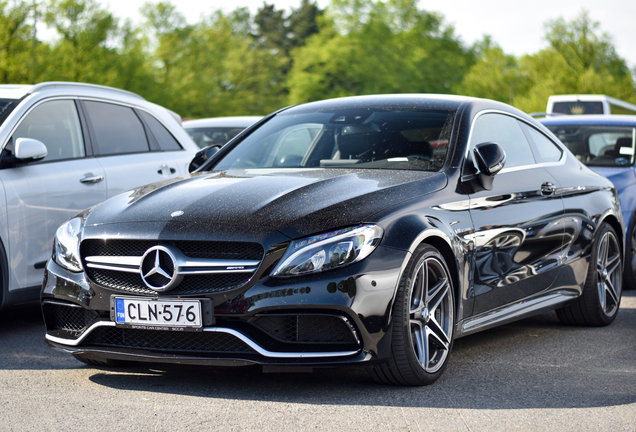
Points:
x=55, y=88
x=238, y=121
x=591, y=119
x=433, y=101
x=14, y=91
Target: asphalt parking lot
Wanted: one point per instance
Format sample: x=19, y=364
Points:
x=531, y=375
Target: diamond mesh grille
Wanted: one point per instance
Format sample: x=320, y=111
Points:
x=307, y=328
x=71, y=319
x=192, y=284
x=168, y=340
x=192, y=249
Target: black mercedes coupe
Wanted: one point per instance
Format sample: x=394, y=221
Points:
x=367, y=230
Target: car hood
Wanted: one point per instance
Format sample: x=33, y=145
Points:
x=293, y=202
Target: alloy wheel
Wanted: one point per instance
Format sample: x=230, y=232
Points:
x=609, y=275
x=431, y=314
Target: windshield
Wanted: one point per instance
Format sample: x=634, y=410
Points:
x=347, y=138
x=578, y=107
x=598, y=145
x=217, y=136
x=6, y=106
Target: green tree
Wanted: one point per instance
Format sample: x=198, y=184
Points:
x=83, y=52
x=367, y=46
x=15, y=42
x=169, y=38
x=580, y=60
x=494, y=75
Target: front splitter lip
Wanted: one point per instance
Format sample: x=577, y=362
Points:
x=135, y=355
x=73, y=345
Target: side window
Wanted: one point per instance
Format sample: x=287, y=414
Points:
x=546, y=150
x=164, y=138
x=117, y=128
x=57, y=125
x=506, y=132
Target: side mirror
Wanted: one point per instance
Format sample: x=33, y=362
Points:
x=490, y=158
x=29, y=150
x=202, y=156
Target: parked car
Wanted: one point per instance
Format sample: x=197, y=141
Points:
x=217, y=131
x=66, y=147
x=607, y=144
x=367, y=230
x=588, y=104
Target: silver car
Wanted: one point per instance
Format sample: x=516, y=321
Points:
x=66, y=147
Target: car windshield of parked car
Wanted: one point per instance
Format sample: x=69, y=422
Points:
x=597, y=145
x=347, y=138
x=216, y=136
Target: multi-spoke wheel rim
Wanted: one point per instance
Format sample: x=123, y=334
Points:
x=431, y=314
x=608, y=272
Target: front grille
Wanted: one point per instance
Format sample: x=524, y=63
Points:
x=72, y=319
x=191, y=284
x=198, y=342
x=327, y=329
x=192, y=249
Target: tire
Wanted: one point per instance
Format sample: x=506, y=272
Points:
x=423, y=321
x=629, y=274
x=106, y=363
x=600, y=301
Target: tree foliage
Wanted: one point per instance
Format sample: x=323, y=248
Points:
x=15, y=37
x=234, y=63
x=578, y=60
x=369, y=47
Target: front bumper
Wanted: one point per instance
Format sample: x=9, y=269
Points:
x=336, y=317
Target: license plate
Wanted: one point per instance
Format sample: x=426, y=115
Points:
x=157, y=313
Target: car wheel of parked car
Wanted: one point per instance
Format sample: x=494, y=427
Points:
x=423, y=320
x=601, y=297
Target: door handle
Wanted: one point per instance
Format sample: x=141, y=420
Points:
x=89, y=178
x=164, y=167
x=547, y=189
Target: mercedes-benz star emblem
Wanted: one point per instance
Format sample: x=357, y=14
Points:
x=159, y=269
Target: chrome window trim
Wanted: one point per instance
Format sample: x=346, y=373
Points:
x=561, y=161
x=249, y=342
x=91, y=99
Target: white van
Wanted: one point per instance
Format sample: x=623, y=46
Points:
x=588, y=104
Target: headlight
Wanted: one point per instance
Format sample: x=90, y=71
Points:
x=328, y=251
x=66, y=249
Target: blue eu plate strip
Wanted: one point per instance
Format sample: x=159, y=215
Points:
x=119, y=309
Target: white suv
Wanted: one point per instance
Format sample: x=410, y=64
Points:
x=66, y=147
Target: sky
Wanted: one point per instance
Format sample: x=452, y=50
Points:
x=518, y=27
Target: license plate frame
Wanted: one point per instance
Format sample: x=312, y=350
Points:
x=146, y=320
